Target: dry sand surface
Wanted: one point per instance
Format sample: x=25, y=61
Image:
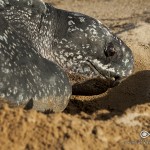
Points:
x=112, y=120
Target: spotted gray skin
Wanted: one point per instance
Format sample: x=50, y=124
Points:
x=26, y=75
x=78, y=43
x=37, y=6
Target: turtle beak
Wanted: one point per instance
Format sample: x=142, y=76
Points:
x=112, y=80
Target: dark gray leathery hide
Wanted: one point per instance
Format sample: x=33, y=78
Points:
x=25, y=74
x=74, y=41
x=37, y=6
x=81, y=43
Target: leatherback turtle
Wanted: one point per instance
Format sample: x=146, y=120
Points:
x=28, y=79
x=79, y=44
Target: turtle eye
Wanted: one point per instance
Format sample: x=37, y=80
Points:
x=110, y=50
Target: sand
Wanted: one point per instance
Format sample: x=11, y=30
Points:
x=111, y=120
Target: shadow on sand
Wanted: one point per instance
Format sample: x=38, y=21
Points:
x=135, y=90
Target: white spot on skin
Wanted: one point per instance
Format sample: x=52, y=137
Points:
x=1, y=85
x=71, y=22
x=87, y=69
x=123, y=73
x=3, y=38
x=123, y=49
x=99, y=22
x=126, y=61
x=70, y=17
x=82, y=19
x=79, y=57
x=4, y=70
x=103, y=67
x=77, y=14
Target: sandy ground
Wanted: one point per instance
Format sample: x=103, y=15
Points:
x=112, y=120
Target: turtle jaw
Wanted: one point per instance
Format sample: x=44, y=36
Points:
x=111, y=77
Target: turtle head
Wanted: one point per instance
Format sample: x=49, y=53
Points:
x=111, y=57
x=90, y=49
x=103, y=53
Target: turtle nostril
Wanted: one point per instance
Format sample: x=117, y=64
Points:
x=110, y=50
